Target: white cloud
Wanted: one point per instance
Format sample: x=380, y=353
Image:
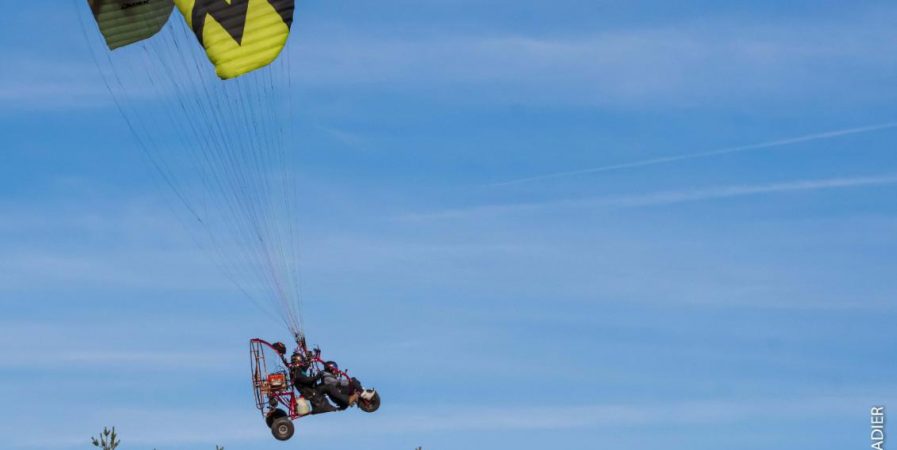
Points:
x=65, y=344
x=707, y=154
x=57, y=84
x=130, y=243
x=660, y=198
x=199, y=425
x=692, y=63
x=564, y=417
x=680, y=64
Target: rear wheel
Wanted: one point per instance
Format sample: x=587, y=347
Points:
x=276, y=414
x=282, y=428
x=370, y=405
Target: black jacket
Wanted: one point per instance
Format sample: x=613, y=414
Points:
x=303, y=381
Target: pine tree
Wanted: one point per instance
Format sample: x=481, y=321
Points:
x=107, y=440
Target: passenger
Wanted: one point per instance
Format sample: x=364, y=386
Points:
x=341, y=391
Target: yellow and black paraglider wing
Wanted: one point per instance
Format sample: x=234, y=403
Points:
x=124, y=22
x=239, y=35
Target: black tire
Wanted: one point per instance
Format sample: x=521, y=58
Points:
x=371, y=405
x=276, y=414
x=282, y=428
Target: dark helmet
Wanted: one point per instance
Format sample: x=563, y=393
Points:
x=331, y=366
x=279, y=348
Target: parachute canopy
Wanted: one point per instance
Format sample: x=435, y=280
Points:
x=239, y=36
x=225, y=150
x=124, y=22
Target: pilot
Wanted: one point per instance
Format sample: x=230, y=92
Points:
x=309, y=385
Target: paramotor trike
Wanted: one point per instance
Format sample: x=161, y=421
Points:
x=275, y=395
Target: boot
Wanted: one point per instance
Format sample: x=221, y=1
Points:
x=322, y=407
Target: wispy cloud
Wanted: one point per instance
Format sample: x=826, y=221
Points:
x=126, y=243
x=345, y=137
x=665, y=197
x=672, y=197
x=118, y=344
x=142, y=426
x=706, y=154
x=41, y=84
x=67, y=361
x=682, y=64
x=553, y=417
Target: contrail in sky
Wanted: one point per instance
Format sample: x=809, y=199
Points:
x=721, y=151
x=662, y=198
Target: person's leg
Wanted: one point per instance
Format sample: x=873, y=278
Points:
x=336, y=395
x=319, y=404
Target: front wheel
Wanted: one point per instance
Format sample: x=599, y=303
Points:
x=370, y=405
x=282, y=428
x=274, y=415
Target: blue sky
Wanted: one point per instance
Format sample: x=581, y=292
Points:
x=742, y=299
